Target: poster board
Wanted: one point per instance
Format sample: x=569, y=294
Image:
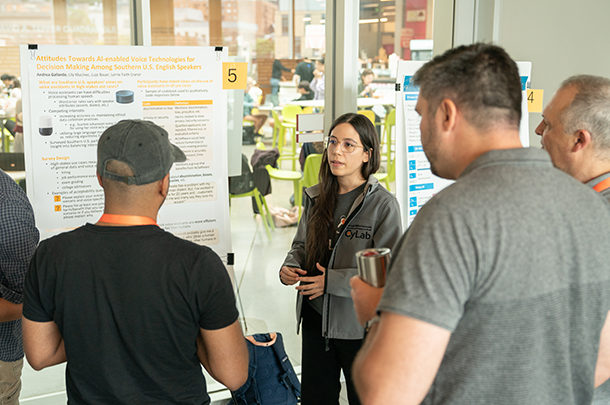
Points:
x=415, y=183
x=71, y=94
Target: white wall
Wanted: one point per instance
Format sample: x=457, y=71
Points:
x=560, y=37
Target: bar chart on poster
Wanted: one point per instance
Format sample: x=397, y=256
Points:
x=73, y=93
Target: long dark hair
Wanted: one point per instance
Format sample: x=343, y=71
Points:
x=322, y=213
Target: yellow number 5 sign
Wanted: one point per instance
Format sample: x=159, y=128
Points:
x=234, y=75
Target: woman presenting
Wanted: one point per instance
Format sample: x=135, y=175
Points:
x=346, y=212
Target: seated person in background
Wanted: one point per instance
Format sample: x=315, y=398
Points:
x=18, y=144
x=7, y=80
x=305, y=91
x=317, y=84
x=249, y=103
x=255, y=91
x=364, y=86
x=9, y=104
x=15, y=92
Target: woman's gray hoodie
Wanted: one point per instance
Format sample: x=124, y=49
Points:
x=373, y=221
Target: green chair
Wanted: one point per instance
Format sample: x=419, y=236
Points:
x=311, y=173
x=290, y=112
x=265, y=214
x=386, y=140
x=280, y=127
x=286, y=175
x=308, y=178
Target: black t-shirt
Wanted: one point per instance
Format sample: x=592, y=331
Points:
x=129, y=302
x=344, y=203
x=305, y=71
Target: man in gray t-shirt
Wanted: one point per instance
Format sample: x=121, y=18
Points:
x=575, y=130
x=499, y=290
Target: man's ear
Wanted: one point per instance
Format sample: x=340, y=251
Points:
x=164, y=185
x=582, y=140
x=99, y=180
x=446, y=113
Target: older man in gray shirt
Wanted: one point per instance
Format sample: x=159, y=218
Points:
x=575, y=130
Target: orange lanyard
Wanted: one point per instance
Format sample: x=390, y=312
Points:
x=602, y=185
x=127, y=220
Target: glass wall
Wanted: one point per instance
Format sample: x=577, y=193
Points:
x=70, y=22
x=389, y=31
x=260, y=31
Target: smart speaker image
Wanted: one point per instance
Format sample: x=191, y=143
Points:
x=124, y=96
x=45, y=126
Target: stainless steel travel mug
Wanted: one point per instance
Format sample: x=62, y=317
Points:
x=373, y=265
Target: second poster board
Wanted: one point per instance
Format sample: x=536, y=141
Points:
x=415, y=183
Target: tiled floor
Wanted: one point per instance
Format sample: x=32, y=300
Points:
x=266, y=304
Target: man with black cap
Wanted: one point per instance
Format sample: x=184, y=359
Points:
x=133, y=309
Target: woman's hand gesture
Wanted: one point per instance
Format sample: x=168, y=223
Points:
x=312, y=286
x=290, y=275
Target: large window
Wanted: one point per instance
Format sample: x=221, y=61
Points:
x=259, y=31
x=389, y=31
x=394, y=30
x=61, y=22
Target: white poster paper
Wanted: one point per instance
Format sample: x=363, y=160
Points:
x=73, y=93
x=416, y=185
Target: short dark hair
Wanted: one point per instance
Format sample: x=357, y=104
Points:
x=304, y=84
x=321, y=61
x=366, y=72
x=481, y=79
x=6, y=77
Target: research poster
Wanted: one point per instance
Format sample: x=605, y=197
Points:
x=73, y=93
x=421, y=184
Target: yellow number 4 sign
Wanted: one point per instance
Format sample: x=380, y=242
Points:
x=534, y=100
x=234, y=75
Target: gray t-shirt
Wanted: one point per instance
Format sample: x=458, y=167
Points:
x=602, y=393
x=512, y=260
x=344, y=203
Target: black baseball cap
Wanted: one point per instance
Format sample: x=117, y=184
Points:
x=143, y=146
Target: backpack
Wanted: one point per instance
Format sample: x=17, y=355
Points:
x=271, y=378
x=243, y=183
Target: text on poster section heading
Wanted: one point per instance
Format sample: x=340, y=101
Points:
x=88, y=63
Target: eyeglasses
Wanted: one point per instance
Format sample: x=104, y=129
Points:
x=347, y=145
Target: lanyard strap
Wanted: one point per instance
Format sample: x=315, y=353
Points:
x=602, y=185
x=127, y=220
